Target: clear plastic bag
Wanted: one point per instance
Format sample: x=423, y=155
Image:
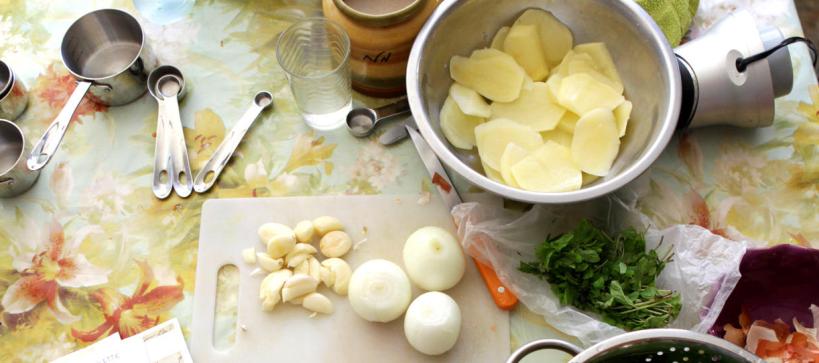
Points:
x=704, y=271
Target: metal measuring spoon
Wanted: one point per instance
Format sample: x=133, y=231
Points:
x=361, y=122
x=169, y=86
x=162, y=184
x=210, y=172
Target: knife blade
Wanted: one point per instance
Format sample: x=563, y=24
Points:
x=502, y=296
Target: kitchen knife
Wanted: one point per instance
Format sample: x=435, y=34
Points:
x=503, y=297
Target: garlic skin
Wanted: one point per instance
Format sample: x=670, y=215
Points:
x=434, y=259
x=379, y=291
x=433, y=323
x=335, y=244
x=304, y=231
x=327, y=224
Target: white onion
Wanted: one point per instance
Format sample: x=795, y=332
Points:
x=379, y=291
x=433, y=323
x=434, y=259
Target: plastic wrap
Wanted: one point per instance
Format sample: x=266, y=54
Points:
x=705, y=268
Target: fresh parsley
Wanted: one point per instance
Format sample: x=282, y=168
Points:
x=613, y=277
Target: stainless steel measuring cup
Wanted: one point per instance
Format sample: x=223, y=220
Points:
x=167, y=85
x=15, y=177
x=105, y=50
x=13, y=94
x=162, y=183
x=208, y=175
x=361, y=122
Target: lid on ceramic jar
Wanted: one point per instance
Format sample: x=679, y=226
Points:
x=379, y=12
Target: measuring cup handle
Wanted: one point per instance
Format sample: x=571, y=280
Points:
x=45, y=148
x=396, y=108
x=225, y=151
x=162, y=187
x=542, y=344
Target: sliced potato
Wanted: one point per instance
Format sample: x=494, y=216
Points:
x=555, y=38
x=548, y=169
x=583, y=63
x=499, y=38
x=581, y=93
x=568, y=122
x=493, y=136
x=602, y=57
x=557, y=135
x=554, y=85
x=469, y=101
x=534, y=108
x=492, y=173
x=522, y=43
x=622, y=113
x=458, y=128
x=588, y=179
x=511, y=156
x=596, y=142
x=492, y=73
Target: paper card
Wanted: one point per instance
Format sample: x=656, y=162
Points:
x=164, y=343
x=106, y=350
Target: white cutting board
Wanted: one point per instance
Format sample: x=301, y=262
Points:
x=287, y=334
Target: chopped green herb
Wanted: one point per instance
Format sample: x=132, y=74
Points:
x=613, y=277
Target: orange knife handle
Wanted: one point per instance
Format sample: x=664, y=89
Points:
x=504, y=298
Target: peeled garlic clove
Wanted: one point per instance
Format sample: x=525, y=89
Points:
x=314, y=268
x=249, y=255
x=271, y=286
x=326, y=224
x=341, y=273
x=270, y=230
x=268, y=303
x=302, y=268
x=335, y=244
x=267, y=263
x=317, y=303
x=326, y=276
x=298, y=286
x=299, y=254
x=297, y=301
x=280, y=245
x=304, y=231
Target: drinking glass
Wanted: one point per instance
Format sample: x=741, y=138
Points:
x=315, y=55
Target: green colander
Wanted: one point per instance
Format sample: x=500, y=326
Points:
x=648, y=346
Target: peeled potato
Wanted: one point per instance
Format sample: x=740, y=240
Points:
x=588, y=178
x=583, y=63
x=596, y=142
x=581, y=93
x=493, y=136
x=499, y=38
x=568, y=122
x=559, y=136
x=554, y=84
x=511, y=156
x=600, y=53
x=492, y=173
x=534, y=108
x=555, y=38
x=458, y=128
x=469, y=101
x=492, y=73
x=523, y=44
x=548, y=169
x=622, y=113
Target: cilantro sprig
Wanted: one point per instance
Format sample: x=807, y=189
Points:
x=613, y=277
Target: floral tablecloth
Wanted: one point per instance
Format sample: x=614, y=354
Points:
x=89, y=251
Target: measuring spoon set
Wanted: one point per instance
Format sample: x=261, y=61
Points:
x=172, y=170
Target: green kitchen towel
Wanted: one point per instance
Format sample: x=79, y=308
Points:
x=673, y=16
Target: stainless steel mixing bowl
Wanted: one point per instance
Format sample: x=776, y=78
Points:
x=649, y=68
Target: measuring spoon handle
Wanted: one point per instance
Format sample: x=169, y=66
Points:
x=179, y=152
x=396, y=108
x=213, y=168
x=162, y=184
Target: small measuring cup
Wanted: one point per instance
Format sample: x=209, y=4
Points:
x=210, y=172
x=13, y=94
x=15, y=177
x=361, y=122
x=162, y=180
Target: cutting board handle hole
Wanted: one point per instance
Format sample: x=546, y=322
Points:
x=225, y=313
